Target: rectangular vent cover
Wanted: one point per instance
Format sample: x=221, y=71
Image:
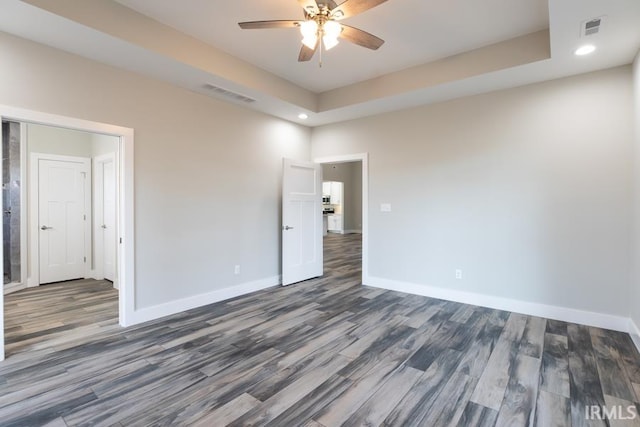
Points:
x=592, y=26
x=227, y=93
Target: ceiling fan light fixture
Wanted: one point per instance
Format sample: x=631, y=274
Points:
x=329, y=42
x=331, y=31
x=309, y=31
x=310, y=42
x=321, y=29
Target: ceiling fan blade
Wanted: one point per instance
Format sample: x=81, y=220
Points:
x=329, y=3
x=260, y=25
x=309, y=6
x=353, y=7
x=361, y=38
x=306, y=54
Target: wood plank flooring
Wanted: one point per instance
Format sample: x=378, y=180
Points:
x=325, y=352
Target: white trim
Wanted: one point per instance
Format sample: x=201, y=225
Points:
x=364, y=158
x=157, y=311
x=10, y=288
x=352, y=232
x=34, y=199
x=589, y=318
x=125, y=263
x=634, y=332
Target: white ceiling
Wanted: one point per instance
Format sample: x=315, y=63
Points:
x=415, y=32
x=183, y=42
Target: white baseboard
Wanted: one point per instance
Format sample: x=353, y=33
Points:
x=152, y=313
x=634, y=331
x=352, y=231
x=589, y=318
x=93, y=274
x=13, y=287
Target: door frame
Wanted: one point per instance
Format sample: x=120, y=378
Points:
x=98, y=163
x=125, y=216
x=34, y=212
x=364, y=158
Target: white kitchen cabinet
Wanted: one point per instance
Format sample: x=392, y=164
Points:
x=326, y=188
x=336, y=193
x=335, y=223
x=334, y=190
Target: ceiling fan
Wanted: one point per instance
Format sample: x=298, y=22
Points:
x=321, y=27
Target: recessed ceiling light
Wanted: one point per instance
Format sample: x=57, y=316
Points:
x=303, y=116
x=585, y=50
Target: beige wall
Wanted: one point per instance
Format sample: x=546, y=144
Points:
x=635, y=291
x=527, y=191
x=351, y=175
x=68, y=142
x=59, y=141
x=103, y=144
x=207, y=173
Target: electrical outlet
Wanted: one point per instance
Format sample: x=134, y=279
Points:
x=458, y=274
x=385, y=207
x=236, y=270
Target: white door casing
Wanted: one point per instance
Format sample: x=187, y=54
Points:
x=105, y=224
x=64, y=204
x=301, y=221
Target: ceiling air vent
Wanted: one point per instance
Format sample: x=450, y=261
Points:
x=592, y=26
x=227, y=93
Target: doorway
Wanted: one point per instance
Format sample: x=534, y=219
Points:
x=121, y=221
x=345, y=209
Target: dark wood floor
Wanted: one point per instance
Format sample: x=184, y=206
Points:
x=326, y=352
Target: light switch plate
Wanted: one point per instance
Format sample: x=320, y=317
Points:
x=385, y=207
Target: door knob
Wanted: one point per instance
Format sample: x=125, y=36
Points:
x=104, y=225
x=286, y=227
x=44, y=227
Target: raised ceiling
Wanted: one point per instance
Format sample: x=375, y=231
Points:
x=415, y=32
x=435, y=50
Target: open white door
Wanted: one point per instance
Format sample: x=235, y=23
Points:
x=105, y=220
x=301, y=221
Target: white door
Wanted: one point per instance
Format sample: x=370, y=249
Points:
x=301, y=221
x=105, y=207
x=62, y=218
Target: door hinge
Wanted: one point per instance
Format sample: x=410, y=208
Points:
x=84, y=217
x=85, y=259
x=121, y=240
